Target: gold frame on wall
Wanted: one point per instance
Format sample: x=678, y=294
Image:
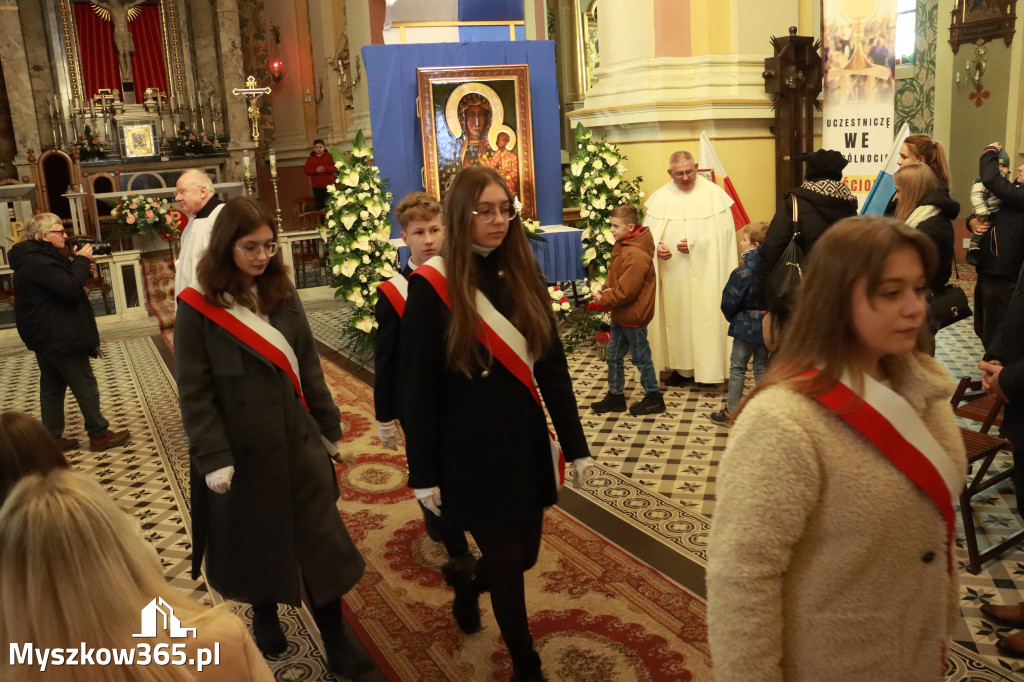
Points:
x=506, y=89
x=995, y=19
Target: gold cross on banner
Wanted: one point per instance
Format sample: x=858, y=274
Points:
x=252, y=93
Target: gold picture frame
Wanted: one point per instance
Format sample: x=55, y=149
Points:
x=138, y=139
x=478, y=114
x=977, y=22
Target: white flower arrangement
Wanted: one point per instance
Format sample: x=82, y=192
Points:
x=560, y=304
x=595, y=185
x=357, y=233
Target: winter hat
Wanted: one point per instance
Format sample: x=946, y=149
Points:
x=1004, y=158
x=824, y=164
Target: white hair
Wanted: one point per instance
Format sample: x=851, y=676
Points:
x=681, y=156
x=40, y=224
x=201, y=178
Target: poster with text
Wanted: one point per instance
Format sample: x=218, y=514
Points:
x=858, y=42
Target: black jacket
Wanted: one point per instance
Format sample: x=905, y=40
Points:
x=51, y=307
x=816, y=212
x=1002, y=247
x=483, y=440
x=939, y=229
x=1008, y=348
x=386, y=402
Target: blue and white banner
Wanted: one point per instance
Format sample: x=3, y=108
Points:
x=453, y=21
x=885, y=186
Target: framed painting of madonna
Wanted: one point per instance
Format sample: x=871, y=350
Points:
x=477, y=115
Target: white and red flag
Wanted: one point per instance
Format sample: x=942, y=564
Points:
x=709, y=160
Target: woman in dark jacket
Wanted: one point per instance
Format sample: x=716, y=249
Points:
x=822, y=200
x=260, y=422
x=56, y=322
x=476, y=437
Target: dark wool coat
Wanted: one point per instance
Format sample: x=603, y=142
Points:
x=740, y=302
x=939, y=229
x=816, y=213
x=483, y=440
x=280, y=514
x=386, y=402
x=1008, y=348
x=1002, y=247
x=51, y=308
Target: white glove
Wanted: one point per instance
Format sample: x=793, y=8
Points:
x=219, y=481
x=430, y=498
x=388, y=432
x=581, y=469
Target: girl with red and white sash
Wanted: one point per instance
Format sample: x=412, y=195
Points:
x=261, y=423
x=830, y=550
x=476, y=322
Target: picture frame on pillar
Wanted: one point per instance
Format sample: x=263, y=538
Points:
x=477, y=115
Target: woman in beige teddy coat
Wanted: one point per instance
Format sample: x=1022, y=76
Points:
x=826, y=561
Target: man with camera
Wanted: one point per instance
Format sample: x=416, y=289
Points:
x=197, y=200
x=55, y=320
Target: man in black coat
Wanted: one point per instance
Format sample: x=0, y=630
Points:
x=1001, y=250
x=55, y=320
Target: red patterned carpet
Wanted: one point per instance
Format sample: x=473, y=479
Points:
x=597, y=613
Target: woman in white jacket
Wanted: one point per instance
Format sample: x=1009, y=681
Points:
x=829, y=556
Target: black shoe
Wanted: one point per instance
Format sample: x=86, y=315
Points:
x=529, y=670
x=266, y=630
x=432, y=522
x=652, y=403
x=972, y=256
x=343, y=657
x=613, y=402
x=722, y=418
x=459, y=574
x=677, y=379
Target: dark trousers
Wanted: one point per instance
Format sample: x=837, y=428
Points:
x=507, y=553
x=991, y=300
x=454, y=539
x=320, y=197
x=59, y=372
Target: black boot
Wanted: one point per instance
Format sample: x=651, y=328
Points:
x=459, y=574
x=343, y=657
x=528, y=670
x=266, y=630
x=652, y=403
x=613, y=402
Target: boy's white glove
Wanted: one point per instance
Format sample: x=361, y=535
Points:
x=429, y=498
x=219, y=481
x=388, y=433
x=581, y=470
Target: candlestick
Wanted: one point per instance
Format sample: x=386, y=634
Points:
x=245, y=162
x=273, y=164
x=277, y=201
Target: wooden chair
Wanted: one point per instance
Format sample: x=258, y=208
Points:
x=982, y=449
x=310, y=220
x=971, y=402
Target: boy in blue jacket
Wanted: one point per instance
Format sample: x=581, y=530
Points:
x=740, y=307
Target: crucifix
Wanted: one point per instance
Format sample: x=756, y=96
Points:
x=252, y=94
x=120, y=12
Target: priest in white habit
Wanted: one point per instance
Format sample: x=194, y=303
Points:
x=196, y=198
x=691, y=221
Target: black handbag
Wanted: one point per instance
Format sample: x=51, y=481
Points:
x=948, y=306
x=783, y=282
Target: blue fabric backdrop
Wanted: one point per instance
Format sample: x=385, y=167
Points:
x=397, y=141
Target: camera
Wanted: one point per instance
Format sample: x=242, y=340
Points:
x=98, y=248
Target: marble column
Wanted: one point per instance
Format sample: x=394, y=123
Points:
x=232, y=75
x=19, y=84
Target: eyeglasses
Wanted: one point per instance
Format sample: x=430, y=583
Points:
x=508, y=212
x=684, y=174
x=187, y=189
x=60, y=231
x=252, y=251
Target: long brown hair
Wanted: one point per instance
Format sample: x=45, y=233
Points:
x=532, y=314
x=820, y=333
x=220, y=278
x=933, y=154
x=914, y=182
x=25, y=448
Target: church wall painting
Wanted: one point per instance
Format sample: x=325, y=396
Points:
x=477, y=115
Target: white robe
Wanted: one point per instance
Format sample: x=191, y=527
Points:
x=194, y=240
x=689, y=332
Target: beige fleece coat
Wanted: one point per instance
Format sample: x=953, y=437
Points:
x=826, y=562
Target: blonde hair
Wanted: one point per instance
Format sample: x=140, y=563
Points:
x=820, y=334
x=755, y=232
x=40, y=224
x=628, y=213
x=74, y=569
x=914, y=182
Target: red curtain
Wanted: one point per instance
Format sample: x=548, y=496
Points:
x=99, y=57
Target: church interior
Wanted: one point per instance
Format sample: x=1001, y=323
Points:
x=106, y=99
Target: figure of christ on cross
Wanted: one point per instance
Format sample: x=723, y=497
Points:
x=120, y=12
x=252, y=95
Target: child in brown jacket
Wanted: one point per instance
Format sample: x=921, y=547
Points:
x=629, y=295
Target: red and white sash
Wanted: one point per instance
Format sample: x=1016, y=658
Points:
x=887, y=420
x=397, y=291
x=505, y=342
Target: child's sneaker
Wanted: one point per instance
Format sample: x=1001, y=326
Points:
x=613, y=402
x=722, y=418
x=652, y=403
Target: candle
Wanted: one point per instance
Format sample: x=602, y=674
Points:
x=273, y=164
x=245, y=161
